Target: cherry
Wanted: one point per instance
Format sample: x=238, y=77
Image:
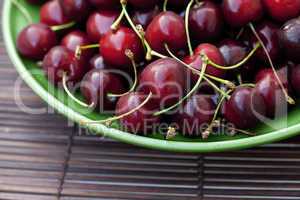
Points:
x=166, y=28
x=238, y=13
x=205, y=21
x=99, y=23
x=144, y=17
x=267, y=85
x=140, y=121
x=51, y=13
x=295, y=79
x=165, y=78
x=114, y=44
x=75, y=39
x=178, y=4
x=107, y=4
x=195, y=115
x=143, y=4
x=95, y=86
x=268, y=32
x=61, y=60
x=35, y=41
x=97, y=62
x=75, y=9
x=282, y=10
x=289, y=37
x=244, y=108
x=213, y=53
x=233, y=51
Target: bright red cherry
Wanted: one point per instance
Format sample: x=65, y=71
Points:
x=244, y=108
x=195, y=115
x=282, y=10
x=166, y=28
x=96, y=85
x=165, y=78
x=114, y=44
x=99, y=23
x=268, y=32
x=35, y=41
x=295, y=79
x=238, y=13
x=51, y=13
x=140, y=121
x=213, y=53
x=268, y=87
x=205, y=21
x=289, y=37
x=59, y=60
x=75, y=9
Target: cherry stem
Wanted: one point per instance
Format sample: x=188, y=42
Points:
x=165, y=5
x=117, y=23
x=289, y=99
x=110, y=120
x=240, y=33
x=171, y=133
x=216, y=87
x=238, y=130
x=64, y=82
x=63, y=26
x=226, y=82
x=130, y=55
x=22, y=9
x=209, y=62
x=187, y=14
x=79, y=49
x=239, y=78
x=193, y=90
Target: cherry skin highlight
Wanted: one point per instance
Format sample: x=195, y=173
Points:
x=51, y=13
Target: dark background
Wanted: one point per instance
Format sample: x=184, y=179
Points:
x=43, y=158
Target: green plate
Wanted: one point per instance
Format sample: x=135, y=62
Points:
x=13, y=22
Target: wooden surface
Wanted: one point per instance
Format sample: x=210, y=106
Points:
x=43, y=158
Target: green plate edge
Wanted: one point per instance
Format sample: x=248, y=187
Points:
x=147, y=142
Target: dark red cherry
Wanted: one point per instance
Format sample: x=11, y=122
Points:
x=144, y=17
x=97, y=62
x=289, y=37
x=107, y=4
x=99, y=23
x=51, y=13
x=165, y=78
x=282, y=10
x=76, y=10
x=75, y=39
x=166, y=28
x=59, y=60
x=268, y=87
x=114, y=44
x=238, y=13
x=295, y=79
x=96, y=85
x=268, y=32
x=205, y=21
x=244, y=108
x=140, y=121
x=233, y=51
x=178, y=4
x=195, y=115
x=35, y=41
x=213, y=53
x=143, y=4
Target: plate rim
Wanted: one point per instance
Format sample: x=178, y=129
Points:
x=151, y=143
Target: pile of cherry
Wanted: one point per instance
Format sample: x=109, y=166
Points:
x=195, y=65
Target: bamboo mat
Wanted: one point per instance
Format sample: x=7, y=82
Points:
x=43, y=158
